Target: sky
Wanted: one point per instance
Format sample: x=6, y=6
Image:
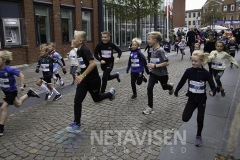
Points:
x=194, y=4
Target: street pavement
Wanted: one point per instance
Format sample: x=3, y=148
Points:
x=117, y=129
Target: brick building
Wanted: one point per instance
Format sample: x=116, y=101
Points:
x=178, y=13
x=25, y=24
x=230, y=8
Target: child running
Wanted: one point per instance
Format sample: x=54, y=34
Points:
x=72, y=55
x=158, y=69
x=197, y=76
x=166, y=45
x=210, y=46
x=46, y=62
x=56, y=56
x=105, y=50
x=232, y=48
x=137, y=62
x=197, y=46
x=175, y=43
x=218, y=58
x=88, y=81
x=182, y=46
x=9, y=87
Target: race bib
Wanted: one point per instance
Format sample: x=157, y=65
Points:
x=217, y=64
x=2, y=83
x=45, y=67
x=81, y=62
x=155, y=60
x=72, y=57
x=196, y=87
x=106, y=53
x=135, y=62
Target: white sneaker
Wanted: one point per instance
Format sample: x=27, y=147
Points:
x=148, y=111
x=172, y=90
x=50, y=95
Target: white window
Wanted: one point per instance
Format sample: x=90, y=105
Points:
x=232, y=7
x=225, y=8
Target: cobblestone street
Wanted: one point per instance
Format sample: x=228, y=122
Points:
x=38, y=132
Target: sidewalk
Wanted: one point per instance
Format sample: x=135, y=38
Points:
x=221, y=126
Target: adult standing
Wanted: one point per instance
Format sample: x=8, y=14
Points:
x=191, y=38
x=205, y=35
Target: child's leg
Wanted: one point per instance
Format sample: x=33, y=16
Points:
x=188, y=110
x=200, y=116
x=217, y=75
x=106, y=76
x=18, y=102
x=151, y=82
x=133, y=82
x=4, y=113
x=163, y=80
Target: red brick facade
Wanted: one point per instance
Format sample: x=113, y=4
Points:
x=30, y=53
x=178, y=13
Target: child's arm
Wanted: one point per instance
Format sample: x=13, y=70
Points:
x=211, y=84
x=231, y=59
x=37, y=67
x=181, y=83
x=118, y=51
x=96, y=53
x=90, y=67
x=21, y=76
x=144, y=61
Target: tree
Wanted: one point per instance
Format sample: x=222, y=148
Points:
x=212, y=13
x=130, y=10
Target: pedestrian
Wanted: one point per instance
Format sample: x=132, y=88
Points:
x=182, y=46
x=56, y=56
x=232, y=48
x=224, y=39
x=137, y=62
x=158, y=69
x=72, y=55
x=191, y=38
x=104, y=54
x=175, y=44
x=149, y=50
x=46, y=62
x=166, y=45
x=197, y=76
x=218, y=58
x=9, y=87
x=210, y=46
x=88, y=80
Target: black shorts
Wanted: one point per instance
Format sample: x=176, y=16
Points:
x=10, y=97
x=47, y=77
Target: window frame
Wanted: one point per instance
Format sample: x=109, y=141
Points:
x=225, y=8
x=49, y=6
x=232, y=7
x=90, y=10
x=72, y=8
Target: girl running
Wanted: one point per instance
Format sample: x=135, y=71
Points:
x=218, y=58
x=182, y=46
x=232, y=48
x=197, y=76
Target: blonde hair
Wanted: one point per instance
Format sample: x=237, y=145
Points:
x=43, y=47
x=202, y=56
x=81, y=35
x=137, y=40
x=107, y=33
x=6, y=56
x=155, y=35
x=52, y=44
x=197, y=44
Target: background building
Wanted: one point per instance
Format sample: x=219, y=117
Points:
x=25, y=24
x=178, y=13
x=193, y=18
x=230, y=8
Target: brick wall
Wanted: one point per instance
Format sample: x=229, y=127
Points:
x=178, y=13
x=30, y=54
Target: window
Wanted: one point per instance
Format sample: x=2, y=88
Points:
x=67, y=25
x=42, y=24
x=194, y=14
x=189, y=15
x=232, y=7
x=205, y=10
x=189, y=22
x=193, y=22
x=186, y=15
x=86, y=23
x=199, y=14
x=231, y=17
x=225, y=8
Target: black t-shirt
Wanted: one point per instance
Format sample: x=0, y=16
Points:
x=209, y=47
x=84, y=56
x=105, y=51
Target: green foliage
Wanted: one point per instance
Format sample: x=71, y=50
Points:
x=214, y=12
x=133, y=9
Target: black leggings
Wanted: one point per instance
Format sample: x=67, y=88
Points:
x=217, y=75
x=233, y=55
x=135, y=78
x=87, y=85
x=152, y=80
x=189, y=109
x=106, y=68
